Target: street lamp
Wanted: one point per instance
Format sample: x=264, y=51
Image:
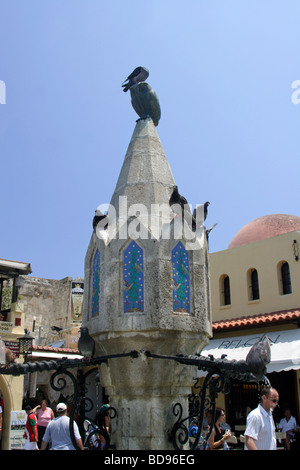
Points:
x=25, y=344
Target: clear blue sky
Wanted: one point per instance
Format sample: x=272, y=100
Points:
x=222, y=70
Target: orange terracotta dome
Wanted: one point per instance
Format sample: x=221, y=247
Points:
x=265, y=227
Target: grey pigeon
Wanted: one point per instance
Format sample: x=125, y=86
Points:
x=180, y=206
x=205, y=210
x=206, y=204
x=196, y=214
x=86, y=344
x=176, y=198
x=259, y=356
x=140, y=74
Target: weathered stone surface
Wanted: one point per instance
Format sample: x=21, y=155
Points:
x=144, y=386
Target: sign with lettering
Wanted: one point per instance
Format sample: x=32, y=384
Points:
x=77, y=300
x=246, y=341
x=285, y=348
x=6, y=327
x=17, y=429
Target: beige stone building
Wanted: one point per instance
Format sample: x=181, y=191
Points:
x=51, y=310
x=255, y=292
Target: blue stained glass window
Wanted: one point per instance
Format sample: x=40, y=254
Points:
x=181, y=279
x=133, y=278
x=96, y=284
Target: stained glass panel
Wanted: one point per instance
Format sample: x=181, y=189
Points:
x=96, y=284
x=181, y=279
x=133, y=279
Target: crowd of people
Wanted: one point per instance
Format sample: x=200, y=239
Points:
x=45, y=431
x=260, y=430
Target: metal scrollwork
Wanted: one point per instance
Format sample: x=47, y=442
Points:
x=59, y=383
x=179, y=434
x=192, y=432
x=188, y=432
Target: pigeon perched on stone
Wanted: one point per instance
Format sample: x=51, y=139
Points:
x=86, y=344
x=206, y=204
x=98, y=217
x=199, y=215
x=176, y=198
x=180, y=206
x=140, y=74
x=259, y=356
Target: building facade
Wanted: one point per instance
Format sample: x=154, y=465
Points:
x=51, y=310
x=255, y=293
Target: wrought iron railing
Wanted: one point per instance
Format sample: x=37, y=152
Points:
x=219, y=373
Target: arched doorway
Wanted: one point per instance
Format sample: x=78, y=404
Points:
x=6, y=405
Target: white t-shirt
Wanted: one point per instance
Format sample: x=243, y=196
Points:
x=58, y=433
x=286, y=426
x=260, y=426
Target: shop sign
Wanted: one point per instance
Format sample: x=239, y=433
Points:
x=77, y=300
x=246, y=342
x=6, y=327
x=17, y=429
x=13, y=346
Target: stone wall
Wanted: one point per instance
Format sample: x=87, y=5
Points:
x=49, y=301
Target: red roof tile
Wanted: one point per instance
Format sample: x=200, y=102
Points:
x=253, y=321
x=57, y=350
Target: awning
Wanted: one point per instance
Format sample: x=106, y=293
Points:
x=55, y=355
x=285, y=349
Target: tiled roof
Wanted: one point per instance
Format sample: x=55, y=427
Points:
x=255, y=321
x=57, y=350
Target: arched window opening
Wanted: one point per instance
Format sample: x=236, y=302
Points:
x=286, y=279
x=253, y=289
x=225, y=297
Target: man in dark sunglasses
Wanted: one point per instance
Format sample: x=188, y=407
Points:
x=260, y=428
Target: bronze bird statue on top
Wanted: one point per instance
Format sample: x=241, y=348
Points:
x=144, y=100
x=140, y=74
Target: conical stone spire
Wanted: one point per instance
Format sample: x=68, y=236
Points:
x=146, y=177
x=113, y=268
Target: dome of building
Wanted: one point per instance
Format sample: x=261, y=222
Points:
x=265, y=227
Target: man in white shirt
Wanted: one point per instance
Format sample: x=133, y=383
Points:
x=58, y=432
x=260, y=428
x=288, y=425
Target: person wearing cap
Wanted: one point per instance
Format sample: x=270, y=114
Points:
x=58, y=432
x=31, y=432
